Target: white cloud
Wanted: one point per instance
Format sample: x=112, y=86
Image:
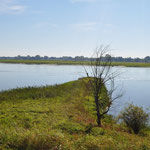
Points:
x=85, y=26
x=46, y=24
x=88, y=1
x=10, y=7
x=38, y=12
x=75, y=1
x=93, y=26
x=108, y=24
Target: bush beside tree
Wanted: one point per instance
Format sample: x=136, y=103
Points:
x=135, y=118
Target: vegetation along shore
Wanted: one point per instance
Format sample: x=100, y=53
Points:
x=66, y=62
x=61, y=117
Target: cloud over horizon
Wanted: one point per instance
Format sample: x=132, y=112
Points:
x=87, y=26
x=90, y=1
x=10, y=7
x=46, y=24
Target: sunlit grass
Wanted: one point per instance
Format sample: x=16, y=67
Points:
x=60, y=117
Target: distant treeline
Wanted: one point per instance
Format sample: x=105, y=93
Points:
x=77, y=58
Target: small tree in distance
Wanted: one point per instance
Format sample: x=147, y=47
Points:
x=100, y=73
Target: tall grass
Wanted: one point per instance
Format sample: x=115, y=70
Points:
x=59, y=117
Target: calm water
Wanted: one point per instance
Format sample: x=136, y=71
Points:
x=135, y=82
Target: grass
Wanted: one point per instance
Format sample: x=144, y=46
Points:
x=60, y=62
x=60, y=117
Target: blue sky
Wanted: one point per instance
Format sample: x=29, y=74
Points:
x=74, y=27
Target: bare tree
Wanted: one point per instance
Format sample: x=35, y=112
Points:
x=100, y=74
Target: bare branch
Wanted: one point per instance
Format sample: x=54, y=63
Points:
x=100, y=73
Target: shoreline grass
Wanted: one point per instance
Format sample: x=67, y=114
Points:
x=60, y=62
x=60, y=117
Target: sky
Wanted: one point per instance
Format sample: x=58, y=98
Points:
x=74, y=27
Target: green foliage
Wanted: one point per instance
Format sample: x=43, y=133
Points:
x=70, y=127
x=32, y=141
x=56, y=119
x=144, y=147
x=109, y=119
x=135, y=118
x=97, y=131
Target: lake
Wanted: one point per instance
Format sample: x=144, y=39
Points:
x=135, y=82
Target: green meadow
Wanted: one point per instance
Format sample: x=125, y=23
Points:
x=60, y=117
x=60, y=62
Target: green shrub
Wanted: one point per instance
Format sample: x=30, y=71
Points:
x=98, y=131
x=109, y=119
x=134, y=117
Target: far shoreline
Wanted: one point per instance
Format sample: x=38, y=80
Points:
x=60, y=62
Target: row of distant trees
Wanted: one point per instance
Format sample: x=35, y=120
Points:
x=78, y=58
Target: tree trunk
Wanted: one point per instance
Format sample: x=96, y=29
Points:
x=98, y=113
x=99, y=123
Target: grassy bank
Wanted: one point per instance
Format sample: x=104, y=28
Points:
x=60, y=118
x=59, y=62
